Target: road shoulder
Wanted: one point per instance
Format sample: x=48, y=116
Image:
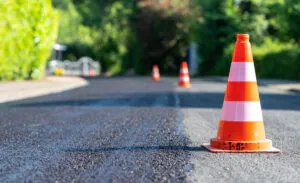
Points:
x=18, y=90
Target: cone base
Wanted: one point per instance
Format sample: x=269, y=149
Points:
x=186, y=85
x=219, y=146
x=155, y=79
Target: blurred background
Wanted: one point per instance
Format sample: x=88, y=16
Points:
x=129, y=36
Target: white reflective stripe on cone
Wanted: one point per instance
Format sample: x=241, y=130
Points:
x=155, y=75
x=184, y=78
x=241, y=111
x=155, y=70
x=242, y=71
x=184, y=70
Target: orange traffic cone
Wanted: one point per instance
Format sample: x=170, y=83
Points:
x=241, y=127
x=155, y=73
x=92, y=72
x=184, y=77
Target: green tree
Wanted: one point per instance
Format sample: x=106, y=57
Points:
x=69, y=22
x=213, y=32
x=293, y=18
x=164, y=33
x=221, y=21
x=276, y=16
x=28, y=31
x=115, y=35
x=103, y=30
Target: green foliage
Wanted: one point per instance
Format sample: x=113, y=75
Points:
x=222, y=67
x=277, y=20
x=164, y=34
x=28, y=31
x=221, y=20
x=124, y=35
x=212, y=32
x=273, y=59
x=115, y=35
x=292, y=8
x=70, y=22
x=248, y=16
x=102, y=30
x=78, y=37
x=273, y=26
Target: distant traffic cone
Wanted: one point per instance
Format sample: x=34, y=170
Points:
x=155, y=73
x=184, y=77
x=241, y=127
x=92, y=72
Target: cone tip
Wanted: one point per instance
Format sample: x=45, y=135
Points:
x=242, y=37
x=155, y=66
x=184, y=64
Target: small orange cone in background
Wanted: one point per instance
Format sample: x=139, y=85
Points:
x=92, y=72
x=241, y=128
x=155, y=73
x=184, y=77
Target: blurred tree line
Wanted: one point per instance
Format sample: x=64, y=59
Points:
x=103, y=30
x=273, y=26
x=135, y=34
x=125, y=34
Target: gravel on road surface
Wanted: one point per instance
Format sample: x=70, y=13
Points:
x=137, y=130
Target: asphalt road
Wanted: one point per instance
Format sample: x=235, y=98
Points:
x=137, y=130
